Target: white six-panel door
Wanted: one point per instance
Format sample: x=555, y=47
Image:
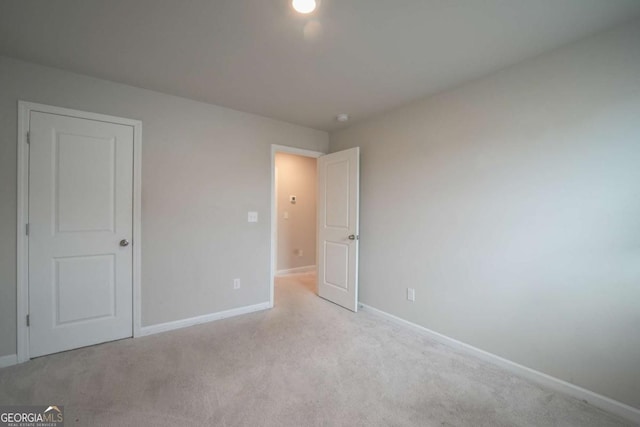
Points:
x=80, y=232
x=338, y=228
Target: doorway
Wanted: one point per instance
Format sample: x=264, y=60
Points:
x=294, y=210
x=337, y=227
x=296, y=214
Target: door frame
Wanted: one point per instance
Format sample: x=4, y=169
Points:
x=274, y=215
x=22, y=268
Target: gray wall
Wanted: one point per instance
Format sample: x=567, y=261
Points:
x=203, y=168
x=512, y=205
x=296, y=176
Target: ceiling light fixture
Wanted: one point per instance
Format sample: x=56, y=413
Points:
x=304, y=6
x=342, y=117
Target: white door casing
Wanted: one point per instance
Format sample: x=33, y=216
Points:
x=338, y=227
x=80, y=207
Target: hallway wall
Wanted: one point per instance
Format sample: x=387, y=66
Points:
x=297, y=233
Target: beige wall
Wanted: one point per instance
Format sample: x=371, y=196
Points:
x=203, y=168
x=512, y=206
x=296, y=176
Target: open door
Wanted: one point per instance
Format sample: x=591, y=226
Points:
x=338, y=228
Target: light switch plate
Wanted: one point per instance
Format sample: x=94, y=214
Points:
x=252, y=217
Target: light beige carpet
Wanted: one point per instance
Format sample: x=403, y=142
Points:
x=306, y=362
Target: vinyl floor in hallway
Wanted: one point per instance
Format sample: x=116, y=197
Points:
x=306, y=362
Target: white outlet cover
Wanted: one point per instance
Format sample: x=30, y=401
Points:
x=411, y=294
x=252, y=217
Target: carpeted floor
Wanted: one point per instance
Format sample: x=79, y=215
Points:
x=307, y=362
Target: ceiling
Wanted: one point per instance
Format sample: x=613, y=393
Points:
x=360, y=57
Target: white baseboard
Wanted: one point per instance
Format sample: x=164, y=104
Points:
x=297, y=270
x=179, y=324
x=595, y=399
x=9, y=360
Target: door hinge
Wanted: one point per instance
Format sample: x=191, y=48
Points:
x=26, y=229
x=28, y=137
x=28, y=320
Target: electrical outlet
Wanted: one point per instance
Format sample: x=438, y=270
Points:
x=236, y=283
x=411, y=294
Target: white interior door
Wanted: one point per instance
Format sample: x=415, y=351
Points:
x=80, y=226
x=338, y=205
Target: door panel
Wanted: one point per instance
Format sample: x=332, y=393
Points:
x=336, y=262
x=84, y=168
x=337, y=194
x=80, y=207
x=338, y=204
x=85, y=288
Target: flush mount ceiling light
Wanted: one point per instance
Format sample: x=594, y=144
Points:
x=304, y=6
x=342, y=117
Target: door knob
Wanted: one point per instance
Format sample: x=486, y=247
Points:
x=124, y=242
x=352, y=237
